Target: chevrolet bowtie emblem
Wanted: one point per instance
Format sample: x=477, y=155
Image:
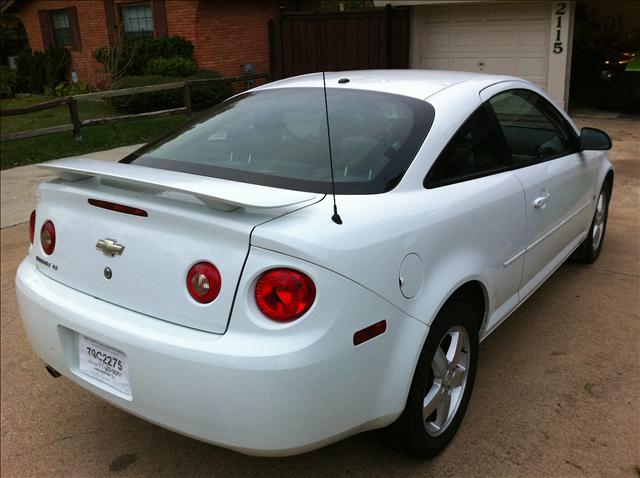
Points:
x=109, y=247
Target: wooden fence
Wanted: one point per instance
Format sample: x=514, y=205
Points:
x=77, y=124
x=303, y=42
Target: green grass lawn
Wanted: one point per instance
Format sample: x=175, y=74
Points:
x=55, y=116
x=94, y=138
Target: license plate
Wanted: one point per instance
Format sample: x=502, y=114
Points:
x=104, y=363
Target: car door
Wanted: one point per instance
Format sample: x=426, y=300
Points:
x=556, y=179
x=485, y=210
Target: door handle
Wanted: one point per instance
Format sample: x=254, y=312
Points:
x=541, y=202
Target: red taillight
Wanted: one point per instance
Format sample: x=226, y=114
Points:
x=112, y=206
x=204, y=282
x=284, y=295
x=32, y=226
x=48, y=238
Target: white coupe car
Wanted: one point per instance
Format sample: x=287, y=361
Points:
x=206, y=284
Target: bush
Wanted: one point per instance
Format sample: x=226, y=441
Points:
x=132, y=56
x=57, y=65
x=174, y=66
x=7, y=81
x=202, y=97
x=30, y=73
x=115, y=60
x=38, y=70
x=144, y=102
x=207, y=96
x=150, y=48
x=68, y=89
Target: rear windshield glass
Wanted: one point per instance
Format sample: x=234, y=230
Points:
x=279, y=138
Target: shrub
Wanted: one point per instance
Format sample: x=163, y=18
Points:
x=132, y=56
x=30, y=71
x=68, y=89
x=207, y=96
x=143, y=102
x=116, y=59
x=174, y=66
x=7, y=81
x=57, y=64
x=202, y=97
x=150, y=48
x=38, y=70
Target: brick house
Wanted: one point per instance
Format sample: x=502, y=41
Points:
x=225, y=34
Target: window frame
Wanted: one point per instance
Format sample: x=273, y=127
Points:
x=45, y=18
x=120, y=6
x=428, y=182
x=548, y=107
x=52, y=22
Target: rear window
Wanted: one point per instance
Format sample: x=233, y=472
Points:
x=278, y=138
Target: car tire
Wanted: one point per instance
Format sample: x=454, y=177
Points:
x=426, y=436
x=590, y=248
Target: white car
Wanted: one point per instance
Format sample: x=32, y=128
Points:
x=206, y=284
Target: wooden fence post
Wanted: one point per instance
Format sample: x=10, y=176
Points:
x=75, y=119
x=187, y=98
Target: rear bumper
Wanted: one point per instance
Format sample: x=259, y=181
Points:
x=257, y=389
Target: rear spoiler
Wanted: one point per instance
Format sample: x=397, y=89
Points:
x=216, y=193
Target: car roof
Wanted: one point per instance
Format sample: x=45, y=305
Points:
x=419, y=84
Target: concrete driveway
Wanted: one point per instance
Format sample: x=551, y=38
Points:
x=557, y=393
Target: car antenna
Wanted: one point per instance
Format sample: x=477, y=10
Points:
x=336, y=217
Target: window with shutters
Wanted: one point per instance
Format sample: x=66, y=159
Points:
x=137, y=20
x=61, y=27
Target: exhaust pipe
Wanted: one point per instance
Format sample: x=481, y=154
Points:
x=52, y=371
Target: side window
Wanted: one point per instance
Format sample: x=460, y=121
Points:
x=476, y=149
x=533, y=129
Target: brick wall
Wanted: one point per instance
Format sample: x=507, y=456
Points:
x=93, y=33
x=230, y=34
x=225, y=34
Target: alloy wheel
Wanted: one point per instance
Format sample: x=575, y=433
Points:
x=599, y=221
x=449, y=369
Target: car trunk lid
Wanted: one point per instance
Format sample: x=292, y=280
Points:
x=189, y=219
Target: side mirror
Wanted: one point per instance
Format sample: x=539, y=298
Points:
x=594, y=139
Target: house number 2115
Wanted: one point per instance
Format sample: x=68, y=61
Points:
x=561, y=9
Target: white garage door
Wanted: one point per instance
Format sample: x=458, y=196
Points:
x=511, y=39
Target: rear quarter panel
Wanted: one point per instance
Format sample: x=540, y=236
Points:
x=462, y=232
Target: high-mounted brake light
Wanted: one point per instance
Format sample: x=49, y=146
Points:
x=112, y=206
x=204, y=282
x=48, y=238
x=32, y=226
x=284, y=294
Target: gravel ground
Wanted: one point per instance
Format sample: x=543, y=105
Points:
x=557, y=393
